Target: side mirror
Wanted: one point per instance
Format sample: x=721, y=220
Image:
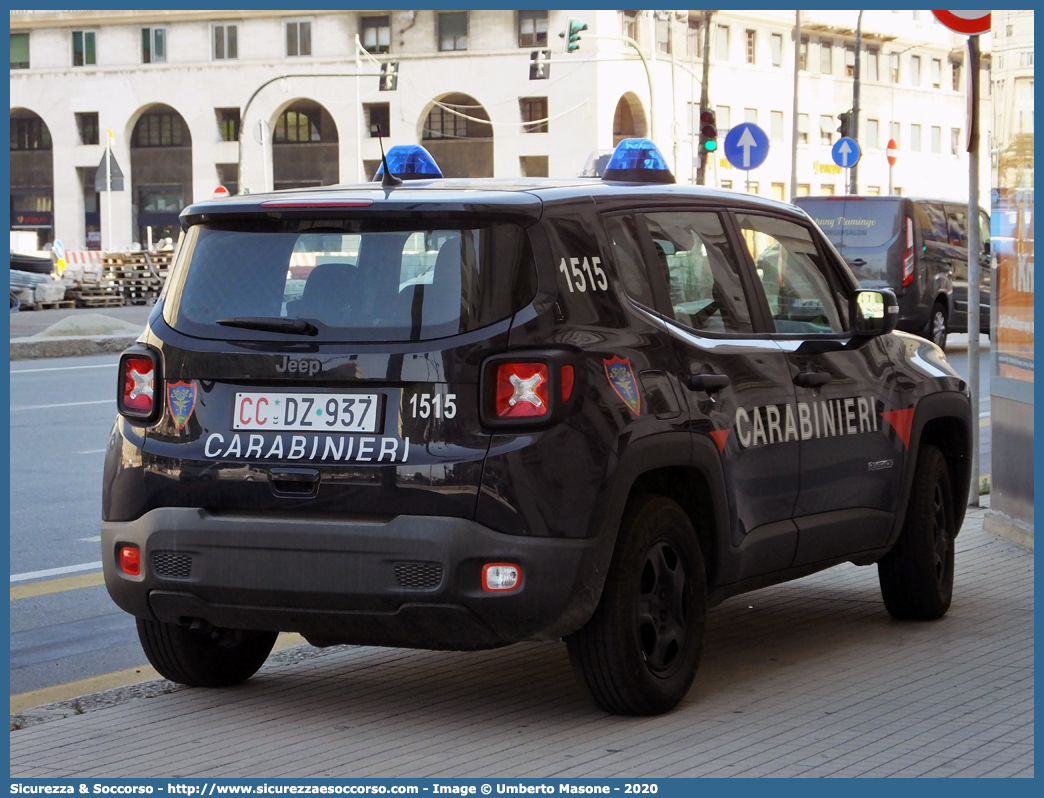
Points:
x=874, y=312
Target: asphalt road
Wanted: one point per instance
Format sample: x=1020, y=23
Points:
x=61, y=413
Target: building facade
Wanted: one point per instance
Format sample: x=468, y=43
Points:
x=271, y=99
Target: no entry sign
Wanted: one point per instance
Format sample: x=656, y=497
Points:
x=892, y=152
x=968, y=22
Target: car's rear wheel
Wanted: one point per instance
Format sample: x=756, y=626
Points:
x=639, y=652
x=938, y=325
x=204, y=658
x=917, y=574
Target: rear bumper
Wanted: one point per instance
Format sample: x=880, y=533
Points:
x=410, y=581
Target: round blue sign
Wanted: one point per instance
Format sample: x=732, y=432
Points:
x=846, y=152
x=746, y=146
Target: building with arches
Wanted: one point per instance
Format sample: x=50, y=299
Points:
x=255, y=100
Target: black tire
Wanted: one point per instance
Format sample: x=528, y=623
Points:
x=639, y=652
x=214, y=658
x=917, y=574
x=938, y=326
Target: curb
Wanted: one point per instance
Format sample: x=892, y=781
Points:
x=70, y=346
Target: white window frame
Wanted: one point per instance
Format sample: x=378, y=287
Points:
x=298, y=21
x=152, y=44
x=467, y=32
x=224, y=41
x=377, y=28
x=776, y=40
x=777, y=132
x=722, y=30
x=72, y=50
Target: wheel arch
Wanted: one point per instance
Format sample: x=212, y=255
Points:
x=942, y=420
x=668, y=464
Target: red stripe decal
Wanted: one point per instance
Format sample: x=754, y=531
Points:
x=901, y=421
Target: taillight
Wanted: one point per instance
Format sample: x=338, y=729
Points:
x=522, y=390
x=139, y=385
x=531, y=387
x=908, y=254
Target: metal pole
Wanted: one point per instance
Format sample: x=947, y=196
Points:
x=108, y=190
x=246, y=108
x=853, y=172
x=701, y=172
x=973, y=260
x=794, y=112
x=674, y=90
x=358, y=114
x=648, y=73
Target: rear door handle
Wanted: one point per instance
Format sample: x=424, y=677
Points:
x=708, y=382
x=812, y=379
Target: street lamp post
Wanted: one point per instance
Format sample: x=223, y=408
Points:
x=246, y=108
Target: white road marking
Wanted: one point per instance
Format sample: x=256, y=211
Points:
x=63, y=404
x=95, y=539
x=64, y=368
x=67, y=569
x=93, y=451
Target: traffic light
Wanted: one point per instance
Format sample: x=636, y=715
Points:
x=708, y=132
x=540, y=65
x=846, y=127
x=573, y=40
x=389, y=80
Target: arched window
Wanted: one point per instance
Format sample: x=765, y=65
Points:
x=160, y=129
x=297, y=127
x=29, y=133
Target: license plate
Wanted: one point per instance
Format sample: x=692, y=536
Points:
x=315, y=412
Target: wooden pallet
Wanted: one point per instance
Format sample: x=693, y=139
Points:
x=63, y=304
x=101, y=302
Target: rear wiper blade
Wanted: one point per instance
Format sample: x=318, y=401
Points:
x=271, y=324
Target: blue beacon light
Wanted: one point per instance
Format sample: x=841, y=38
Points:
x=410, y=162
x=637, y=161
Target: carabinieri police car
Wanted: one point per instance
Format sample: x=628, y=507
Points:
x=458, y=414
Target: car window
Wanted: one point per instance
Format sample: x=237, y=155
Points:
x=800, y=295
x=627, y=256
x=693, y=252
x=364, y=283
x=932, y=221
x=957, y=225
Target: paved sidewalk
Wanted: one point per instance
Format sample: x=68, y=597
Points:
x=811, y=678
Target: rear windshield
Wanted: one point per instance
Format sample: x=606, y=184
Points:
x=854, y=223
x=351, y=283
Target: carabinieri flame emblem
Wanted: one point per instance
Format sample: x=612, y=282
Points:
x=621, y=378
x=181, y=398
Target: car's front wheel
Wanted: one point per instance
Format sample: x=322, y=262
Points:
x=639, y=652
x=916, y=576
x=204, y=658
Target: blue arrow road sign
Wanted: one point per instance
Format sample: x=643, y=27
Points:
x=746, y=146
x=846, y=152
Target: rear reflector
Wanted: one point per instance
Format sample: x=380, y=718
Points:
x=501, y=577
x=522, y=390
x=130, y=560
x=138, y=385
x=567, y=382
